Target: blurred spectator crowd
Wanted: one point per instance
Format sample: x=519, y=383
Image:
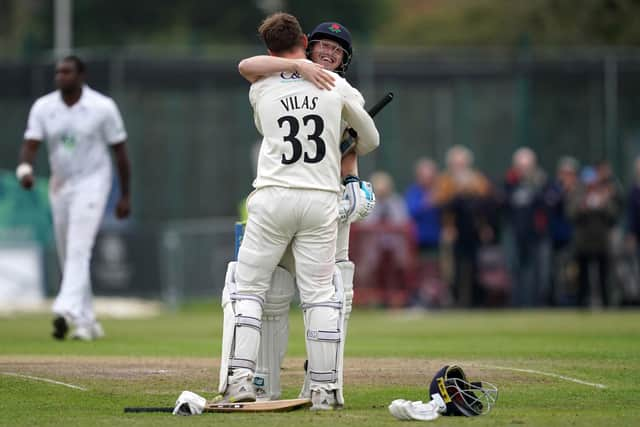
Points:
x=457, y=239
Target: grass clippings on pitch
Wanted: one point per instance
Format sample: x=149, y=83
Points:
x=389, y=355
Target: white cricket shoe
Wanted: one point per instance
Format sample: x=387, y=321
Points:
x=97, y=331
x=240, y=389
x=261, y=395
x=323, y=400
x=82, y=333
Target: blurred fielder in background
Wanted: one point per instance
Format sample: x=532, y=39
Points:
x=329, y=48
x=78, y=124
x=295, y=203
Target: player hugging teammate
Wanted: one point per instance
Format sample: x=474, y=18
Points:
x=298, y=228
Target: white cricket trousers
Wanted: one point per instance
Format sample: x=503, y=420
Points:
x=278, y=216
x=342, y=249
x=77, y=209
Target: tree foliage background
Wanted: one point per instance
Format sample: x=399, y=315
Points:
x=506, y=22
x=26, y=25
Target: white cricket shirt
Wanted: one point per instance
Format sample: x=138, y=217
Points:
x=77, y=136
x=301, y=127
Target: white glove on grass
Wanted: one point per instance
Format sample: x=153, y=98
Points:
x=189, y=403
x=408, y=410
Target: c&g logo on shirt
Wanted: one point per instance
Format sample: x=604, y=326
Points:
x=68, y=141
x=290, y=76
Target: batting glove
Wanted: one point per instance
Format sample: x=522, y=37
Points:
x=358, y=200
x=189, y=403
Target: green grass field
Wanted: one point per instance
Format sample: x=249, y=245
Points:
x=389, y=355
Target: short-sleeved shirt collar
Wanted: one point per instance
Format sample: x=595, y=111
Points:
x=83, y=102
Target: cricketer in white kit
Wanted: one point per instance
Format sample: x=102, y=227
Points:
x=329, y=48
x=78, y=125
x=295, y=203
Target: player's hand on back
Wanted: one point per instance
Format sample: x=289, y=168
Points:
x=123, y=208
x=315, y=74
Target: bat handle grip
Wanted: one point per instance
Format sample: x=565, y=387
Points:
x=348, y=144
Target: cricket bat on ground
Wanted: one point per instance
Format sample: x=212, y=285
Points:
x=267, y=406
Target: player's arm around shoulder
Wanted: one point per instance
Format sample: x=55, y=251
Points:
x=356, y=116
x=260, y=66
x=256, y=67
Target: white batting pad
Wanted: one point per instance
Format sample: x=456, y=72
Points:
x=344, y=294
x=343, y=282
x=248, y=310
x=275, y=335
x=323, y=337
x=347, y=271
x=228, y=325
x=241, y=330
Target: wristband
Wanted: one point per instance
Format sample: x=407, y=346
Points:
x=349, y=179
x=23, y=170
